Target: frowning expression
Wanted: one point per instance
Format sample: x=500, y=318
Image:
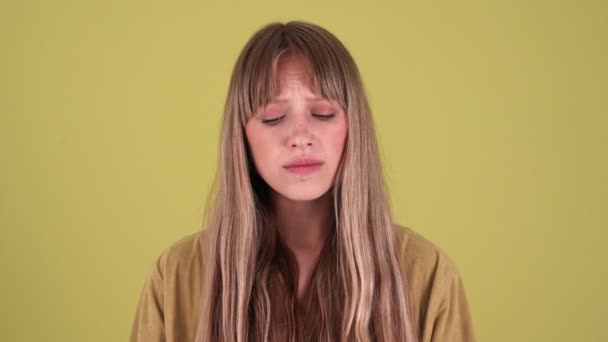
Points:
x=297, y=140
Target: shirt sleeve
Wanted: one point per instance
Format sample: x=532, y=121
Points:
x=148, y=323
x=453, y=321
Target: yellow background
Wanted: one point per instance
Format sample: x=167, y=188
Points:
x=492, y=119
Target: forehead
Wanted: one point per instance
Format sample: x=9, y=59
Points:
x=292, y=65
x=294, y=72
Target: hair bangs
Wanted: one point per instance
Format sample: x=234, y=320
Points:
x=326, y=67
x=327, y=60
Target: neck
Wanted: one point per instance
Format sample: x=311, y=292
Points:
x=303, y=226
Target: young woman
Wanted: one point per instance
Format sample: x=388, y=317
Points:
x=299, y=243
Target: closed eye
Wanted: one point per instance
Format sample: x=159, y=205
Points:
x=324, y=116
x=272, y=121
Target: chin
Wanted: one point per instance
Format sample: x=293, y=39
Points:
x=305, y=193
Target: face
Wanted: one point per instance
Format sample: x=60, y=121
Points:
x=297, y=139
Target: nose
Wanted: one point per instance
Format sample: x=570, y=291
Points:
x=300, y=136
x=300, y=142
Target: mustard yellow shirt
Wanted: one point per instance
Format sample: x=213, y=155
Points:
x=168, y=305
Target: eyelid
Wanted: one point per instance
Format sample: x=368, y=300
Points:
x=324, y=116
x=272, y=121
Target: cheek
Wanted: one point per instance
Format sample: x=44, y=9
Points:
x=337, y=139
x=260, y=145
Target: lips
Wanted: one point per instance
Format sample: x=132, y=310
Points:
x=303, y=166
x=300, y=162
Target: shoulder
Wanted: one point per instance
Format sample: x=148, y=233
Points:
x=433, y=284
x=168, y=306
x=421, y=256
x=182, y=255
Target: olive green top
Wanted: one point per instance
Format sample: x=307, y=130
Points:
x=168, y=306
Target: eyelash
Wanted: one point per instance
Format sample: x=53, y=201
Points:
x=320, y=117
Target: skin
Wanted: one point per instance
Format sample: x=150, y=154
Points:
x=301, y=204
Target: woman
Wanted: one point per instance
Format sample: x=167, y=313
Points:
x=300, y=243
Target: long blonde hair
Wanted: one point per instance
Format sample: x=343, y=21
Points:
x=358, y=291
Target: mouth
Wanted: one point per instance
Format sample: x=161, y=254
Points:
x=304, y=168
